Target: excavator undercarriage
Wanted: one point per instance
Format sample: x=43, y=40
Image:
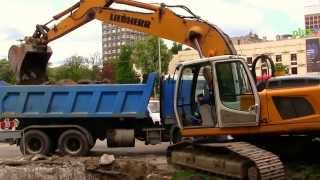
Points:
x=238, y=160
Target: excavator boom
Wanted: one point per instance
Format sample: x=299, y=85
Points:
x=29, y=60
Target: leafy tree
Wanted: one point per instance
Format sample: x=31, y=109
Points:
x=176, y=48
x=146, y=54
x=74, y=69
x=124, y=71
x=5, y=72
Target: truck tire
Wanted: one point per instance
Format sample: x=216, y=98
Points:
x=35, y=142
x=73, y=142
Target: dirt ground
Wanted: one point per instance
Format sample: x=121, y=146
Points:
x=142, y=162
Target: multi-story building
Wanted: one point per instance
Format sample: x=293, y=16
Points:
x=299, y=55
x=312, y=16
x=114, y=37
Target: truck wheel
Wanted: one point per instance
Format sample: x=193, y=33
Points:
x=36, y=142
x=74, y=143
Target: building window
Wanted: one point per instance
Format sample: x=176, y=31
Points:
x=278, y=58
x=294, y=70
x=293, y=57
x=249, y=60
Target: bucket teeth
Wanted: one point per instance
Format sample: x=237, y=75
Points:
x=29, y=63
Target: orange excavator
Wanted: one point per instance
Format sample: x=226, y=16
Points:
x=211, y=97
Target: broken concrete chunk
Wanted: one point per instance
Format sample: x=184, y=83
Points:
x=39, y=157
x=106, y=159
x=25, y=158
x=158, y=177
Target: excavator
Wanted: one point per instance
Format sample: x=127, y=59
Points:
x=213, y=97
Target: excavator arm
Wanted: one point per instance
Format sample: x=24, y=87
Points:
x=29, y=60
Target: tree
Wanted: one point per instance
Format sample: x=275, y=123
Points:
x=146, y=54
x=74, y=69
x=176, y=48
x=95, y=62
x=5, y=72
x=124, y=71
x=108, y=70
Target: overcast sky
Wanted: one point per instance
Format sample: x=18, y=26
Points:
x=236, y=17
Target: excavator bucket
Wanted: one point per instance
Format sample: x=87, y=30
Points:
x=29, y=62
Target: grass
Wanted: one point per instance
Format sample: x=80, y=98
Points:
x=189, y=175
x=303, y=171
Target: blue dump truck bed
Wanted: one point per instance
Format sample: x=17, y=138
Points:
x=73, y=101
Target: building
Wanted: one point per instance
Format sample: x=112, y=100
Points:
x=312, y=15
x=299, y=55
x=114, y=37
x=247, y=39
x=182, y=56
x=289, y=52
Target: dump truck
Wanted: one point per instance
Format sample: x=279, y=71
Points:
x=72, y=117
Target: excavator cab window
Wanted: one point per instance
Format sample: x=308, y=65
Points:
x=196, y=96
x=237, y=100
x=235, y=86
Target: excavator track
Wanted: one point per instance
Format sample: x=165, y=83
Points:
x=239, y=160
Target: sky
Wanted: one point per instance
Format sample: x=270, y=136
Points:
x=236, y=17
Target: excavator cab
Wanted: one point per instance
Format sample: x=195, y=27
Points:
x=216, y=93
x=29, y=62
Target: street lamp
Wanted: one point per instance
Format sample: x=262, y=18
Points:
x=159, y=60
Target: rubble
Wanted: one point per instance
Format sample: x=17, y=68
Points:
x=86, y=168
x=38, y=157
x=106, y=159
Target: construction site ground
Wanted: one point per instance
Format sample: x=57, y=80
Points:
x=141, y=162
